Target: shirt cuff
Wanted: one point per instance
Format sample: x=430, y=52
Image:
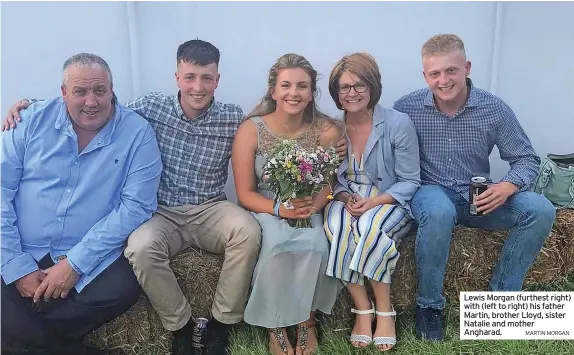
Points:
x=19, y=267
x=518, y=182
x=82, y=260
x=75, y=268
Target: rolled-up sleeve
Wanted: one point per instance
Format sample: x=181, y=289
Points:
x=15, y=262
x=407, y=161
x=137, y=203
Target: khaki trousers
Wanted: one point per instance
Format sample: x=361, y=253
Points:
x=216, y=226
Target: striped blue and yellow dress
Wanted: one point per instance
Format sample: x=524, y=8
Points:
x=365, y=246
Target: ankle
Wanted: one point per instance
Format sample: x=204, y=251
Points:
x=187, y=329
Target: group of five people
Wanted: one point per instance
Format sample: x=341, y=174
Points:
x=97, y=197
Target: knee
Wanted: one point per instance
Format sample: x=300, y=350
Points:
x=536, y=209
x=144, y=246
x=436, y=215
x=246, y=233
x=431, y=205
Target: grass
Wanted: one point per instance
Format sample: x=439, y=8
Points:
x=248, y=340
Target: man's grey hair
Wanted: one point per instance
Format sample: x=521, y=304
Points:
x=86, y=60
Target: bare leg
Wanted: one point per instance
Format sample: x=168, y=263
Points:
x=385, y=324
x=363, y=322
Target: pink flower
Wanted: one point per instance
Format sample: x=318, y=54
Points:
x=305, y=167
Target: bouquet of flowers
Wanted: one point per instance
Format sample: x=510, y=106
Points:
x=292, y=172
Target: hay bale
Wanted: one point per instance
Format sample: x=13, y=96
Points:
x=197, y=273
x=564, y=225
x=473, y=254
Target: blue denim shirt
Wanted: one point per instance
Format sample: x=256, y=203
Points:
x=85, y=205
x=391, y=157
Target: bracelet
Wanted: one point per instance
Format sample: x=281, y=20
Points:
x=276, y=208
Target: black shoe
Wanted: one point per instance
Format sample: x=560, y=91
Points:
x=217, y=337
x=429, y=324
x=182, y=340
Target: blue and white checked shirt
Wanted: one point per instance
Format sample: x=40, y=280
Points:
x=85, y=205
x=454, y=149
x=195, y=152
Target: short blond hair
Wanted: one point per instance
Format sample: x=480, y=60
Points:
x=441, y=44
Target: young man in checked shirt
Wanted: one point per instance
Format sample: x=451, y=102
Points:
x=458, y=125
x=195, y=134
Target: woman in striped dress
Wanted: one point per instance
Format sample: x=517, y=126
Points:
x=375, y=182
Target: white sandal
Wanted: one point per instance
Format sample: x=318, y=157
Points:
x=385, y=340
x=360, y=338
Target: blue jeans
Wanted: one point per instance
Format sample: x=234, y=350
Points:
x=528, y=215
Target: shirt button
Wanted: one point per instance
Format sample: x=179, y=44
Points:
x=59, y=219
x=75, y=163
x=69, y=190
x=449, y=159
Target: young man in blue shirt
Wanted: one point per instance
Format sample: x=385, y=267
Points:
x=458, y=124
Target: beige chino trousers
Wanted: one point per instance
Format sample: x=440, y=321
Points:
x=216, y=226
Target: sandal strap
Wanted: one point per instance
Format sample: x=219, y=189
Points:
x=303, y=335
x=361, y=338
x=278, y=334
x=385, y=341
x=364, y=311
x=387, y=314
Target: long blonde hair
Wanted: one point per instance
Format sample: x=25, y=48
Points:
x=288, y=61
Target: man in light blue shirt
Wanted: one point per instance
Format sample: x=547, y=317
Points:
x=78, y=177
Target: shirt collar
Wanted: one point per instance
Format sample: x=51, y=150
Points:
x=472, y=100
x=181, y=114
x=378, y=115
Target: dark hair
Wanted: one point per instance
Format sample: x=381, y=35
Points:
x=198, y=52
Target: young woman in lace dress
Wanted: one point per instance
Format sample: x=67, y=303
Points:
x=290, y=281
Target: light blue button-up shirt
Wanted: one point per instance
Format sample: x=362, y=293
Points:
x=85, y=205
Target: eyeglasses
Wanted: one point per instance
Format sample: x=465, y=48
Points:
x=359, y=88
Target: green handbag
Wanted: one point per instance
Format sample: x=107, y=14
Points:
x=555, y=179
